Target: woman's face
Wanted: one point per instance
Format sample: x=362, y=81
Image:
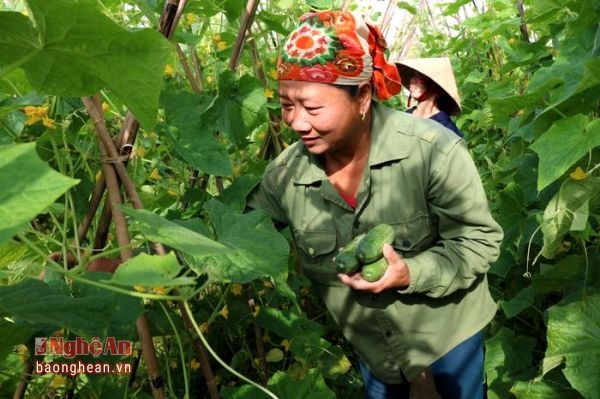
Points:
x=417, y=86
x=325, y=117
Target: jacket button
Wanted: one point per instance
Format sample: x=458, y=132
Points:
x=388, y=333
x=406, y=243
x=311, y=251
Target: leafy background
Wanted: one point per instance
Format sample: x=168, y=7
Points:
x=529, y=76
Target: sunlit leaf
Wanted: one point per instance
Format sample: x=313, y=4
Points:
x=573, y=336
x=29, y=187
x=257, y=249
x=150, y=271
x=70, y=48
x=564, y=144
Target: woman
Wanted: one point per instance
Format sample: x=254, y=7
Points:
x=430, y=81
x=358, y=164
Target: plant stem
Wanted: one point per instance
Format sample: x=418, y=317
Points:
x=221, y=362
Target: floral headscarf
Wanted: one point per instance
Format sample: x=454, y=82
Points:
x=338, y=47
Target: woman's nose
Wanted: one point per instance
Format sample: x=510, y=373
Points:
x=299, y=123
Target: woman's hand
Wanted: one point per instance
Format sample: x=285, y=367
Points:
x=396, y=276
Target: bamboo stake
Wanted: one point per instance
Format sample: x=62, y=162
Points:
x=24, y=379
x=122, y=231
x=247, y=20
x=523, y=26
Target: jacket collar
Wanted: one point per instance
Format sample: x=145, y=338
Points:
x=387, y=145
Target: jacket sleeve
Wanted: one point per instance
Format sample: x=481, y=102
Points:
x=469, y=238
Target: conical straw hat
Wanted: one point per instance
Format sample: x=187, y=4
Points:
x=437, y=69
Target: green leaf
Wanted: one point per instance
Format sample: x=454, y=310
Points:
x=150, y=271
x=193, y=139
x=12, y=334
x=239, y=108
x=311, y=386
x=519, y=303
x=29, y=186
x=564, y=144
x=257, y=249
x=573, y=336
x=560, y=211
x=508, y=351
x=159, y=229
x=95, y=312
x=543, y=390
x=235, y=195
x=69, y=48
x=561, y=276
x=287, y=324
x=453, y=8
x=403, y=5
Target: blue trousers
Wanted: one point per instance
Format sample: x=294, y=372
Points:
x=457, y=375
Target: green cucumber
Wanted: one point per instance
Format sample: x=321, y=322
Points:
x=370, y=247
x=346, y=260
x=374, y=271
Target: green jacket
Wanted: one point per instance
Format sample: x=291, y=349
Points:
x=422, y=181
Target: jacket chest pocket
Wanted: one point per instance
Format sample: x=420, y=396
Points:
x=413, y=236
x=316, y=250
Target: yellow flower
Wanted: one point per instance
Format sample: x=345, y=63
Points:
x=173, y=364
x=191, y=18
x=169, y=71
x=221, y=45
x=216, y=38
x=141, y=152
x=267, y=284
x=578, y=174
x=236, y=289
x=224, y=312
x=35, y=114
x=139, y=288
x=194, y=364
x=172, y=192
x=273, y=73
x=48, y=122
x=256, y=311
x=58, y=381
x=154, y=175
x=105, y=106
x=210, y=79
x=286, y=344
x=159, y=290
x=204, y=328
x=23, y=352
x=268, y=93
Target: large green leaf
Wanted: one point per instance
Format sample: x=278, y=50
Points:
x=93, y=312
x=239, y=108
x=150, y=271
x=311, y=386
x=258, y=250
x=561, y=276
x=507, y=355
x=159, y=229
x=70, y=48
x=519, y=303
x=573, y=337
x=560, y=211
x=543, y=390
x=194, y=140
x=564, y=144
x=29, y=186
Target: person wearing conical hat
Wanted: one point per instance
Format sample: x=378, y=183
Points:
x=358, y=164
x=430, y=82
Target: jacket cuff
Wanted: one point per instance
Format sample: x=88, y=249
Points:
x=423, y=273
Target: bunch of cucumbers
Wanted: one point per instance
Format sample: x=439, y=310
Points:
x=365, y=252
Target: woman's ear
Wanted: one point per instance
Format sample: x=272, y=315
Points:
x=365, y=95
